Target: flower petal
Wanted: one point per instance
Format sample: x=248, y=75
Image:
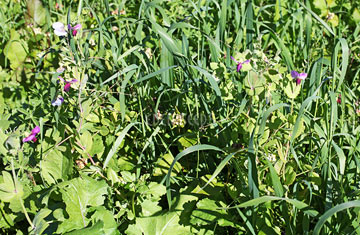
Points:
x=67, y=86
x=58, y=26
x=294, y=74
x=58, y=101
x=302, y=76
x=73, y=81
x=77, y=27
x=246, y=62
x=60, y=70
x=36, y=130
x=60, y=32
x=233, y=59
x=29, y=138
x=239, y=66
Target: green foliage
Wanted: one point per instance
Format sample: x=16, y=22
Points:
x=179, y=117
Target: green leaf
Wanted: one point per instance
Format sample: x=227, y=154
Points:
x=39, y=221
x=36, y=11
x=78, y=194
x=15, y=50
x=107, y=217
x=292, y=90
x=254, y=84
x=95, y=229
x=207, y=212
x=54, y=167
x=333, y=211
x=7, y=188
x=164, y=224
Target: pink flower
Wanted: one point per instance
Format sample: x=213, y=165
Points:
x=339, y=99
x=74, y=29
x=298, y=76
x=239, y=64
x=67, y=83
x=32, y=136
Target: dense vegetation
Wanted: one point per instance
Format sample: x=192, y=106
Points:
x=180, y=117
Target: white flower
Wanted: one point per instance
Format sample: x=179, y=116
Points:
x=59, y=29
x=58, y=101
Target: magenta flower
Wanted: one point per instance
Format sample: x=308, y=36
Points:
x=240, y=64
x=298, y=76
x=59, y=29
x=67, y=83
x=339, y=99
x=74, y=29
x=32, y=136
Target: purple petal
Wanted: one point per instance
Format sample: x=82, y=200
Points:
x=73, y=81
x=233, y=59
x=67, y=86
x=298, y=81
x=36, y=130
x=74, y=32
x=77, y=27
x=246, y=62
x=302, y=76
x=30, y=138
x=61, y=79
x=294, y=74
x=239, y=66
x=69, y=27
x=60, y=70
x=58, y=101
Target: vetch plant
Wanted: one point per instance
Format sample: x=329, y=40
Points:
x=298, y=76
x=239, y=64
x=59, y=29
x=32, y=136
x=67, y=83
x=58, y=101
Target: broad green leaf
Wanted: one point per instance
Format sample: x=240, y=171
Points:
x=164, y=164
x=15, y=50
x=94, y=229
x=164, y=224
x=107, y=217
x=54, y=167
x=36, y=11
x=8, y=192
x=254, y=83
x=207, y=212
x=292, y=90
x=39, y=221
x=78, y=194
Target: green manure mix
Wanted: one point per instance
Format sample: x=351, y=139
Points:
x=170, y=117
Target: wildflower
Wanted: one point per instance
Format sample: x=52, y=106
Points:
x=74, y=29
x=239, y=64
x=32, y=136
x=339, y=99
x=58, y=101
x=68, y=85
x=59, y=29
x=298, y=76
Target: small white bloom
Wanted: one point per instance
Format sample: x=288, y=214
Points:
x=59, y=29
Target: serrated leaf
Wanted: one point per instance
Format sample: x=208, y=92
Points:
x=77, y=194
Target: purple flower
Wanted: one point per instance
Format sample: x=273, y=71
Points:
x=298, y=76
x=240, y=64
x=74, y=29
x=59, y=29
x=68, y=84
x=32, y=136
x=58, y=101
